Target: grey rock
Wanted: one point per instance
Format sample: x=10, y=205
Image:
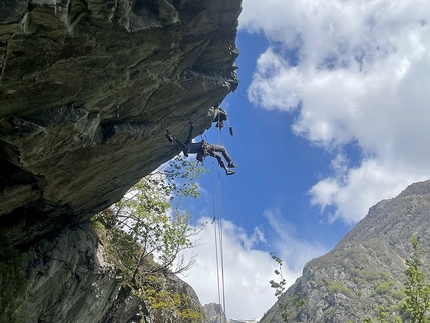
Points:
x=366, y=267
x=214, y=313
x=71, y=279
x=87, y=89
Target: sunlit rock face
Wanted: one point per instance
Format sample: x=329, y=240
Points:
x=366, y=269
x=87, y=89
x=214, y=313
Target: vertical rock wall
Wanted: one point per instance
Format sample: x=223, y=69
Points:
x=70, y=279
x=87, y=89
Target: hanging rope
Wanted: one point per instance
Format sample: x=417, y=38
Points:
x=220, y=223
x=215, y=237
x=216, y=260
x=217, y=221
x=217, y=207
x=215, y=202
x=217, y=210
x=220, y=242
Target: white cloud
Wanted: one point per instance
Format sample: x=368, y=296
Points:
x=247, y=270
x=362, y=77
x=359, y=188
x=295, y=251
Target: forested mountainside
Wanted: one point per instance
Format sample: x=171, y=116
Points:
x=366, y=268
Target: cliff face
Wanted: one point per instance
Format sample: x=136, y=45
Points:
x=87, y=91
x=214, y=313
x=367, y=266
x=70, y=279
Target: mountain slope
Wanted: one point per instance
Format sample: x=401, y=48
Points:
x=366, y=267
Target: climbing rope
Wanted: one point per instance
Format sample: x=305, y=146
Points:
x=217, y=221
x=220, y=242
x=220, y=224
x=217, y=210
x=216, y=260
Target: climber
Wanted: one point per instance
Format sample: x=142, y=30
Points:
x=220, y=117
x=203, y=149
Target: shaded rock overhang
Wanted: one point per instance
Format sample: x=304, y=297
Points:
x=87, y=89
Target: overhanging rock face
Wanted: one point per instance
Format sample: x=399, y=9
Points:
x=87, y=89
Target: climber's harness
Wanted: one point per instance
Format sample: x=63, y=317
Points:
x=206, y=149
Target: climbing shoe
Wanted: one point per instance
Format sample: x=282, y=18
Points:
x=229, y=172
x=232, y=165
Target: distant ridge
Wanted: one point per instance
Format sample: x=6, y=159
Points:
x=367, y=266
x=214, y=313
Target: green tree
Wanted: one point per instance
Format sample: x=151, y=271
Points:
x=416, y=303
x=284, y=303
x=150, y=224
x=383, y=316
x=145, y=232
x=417, y=289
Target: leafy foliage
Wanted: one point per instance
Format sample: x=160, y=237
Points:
x=166, y=299
x=384, y=316
x=283, y=303
x=377, y=245
x=336, y=287
x=146, y=231
x=149, y=223
x=384, y=287
x=417, y=290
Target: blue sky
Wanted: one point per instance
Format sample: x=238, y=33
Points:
x=330, y=117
